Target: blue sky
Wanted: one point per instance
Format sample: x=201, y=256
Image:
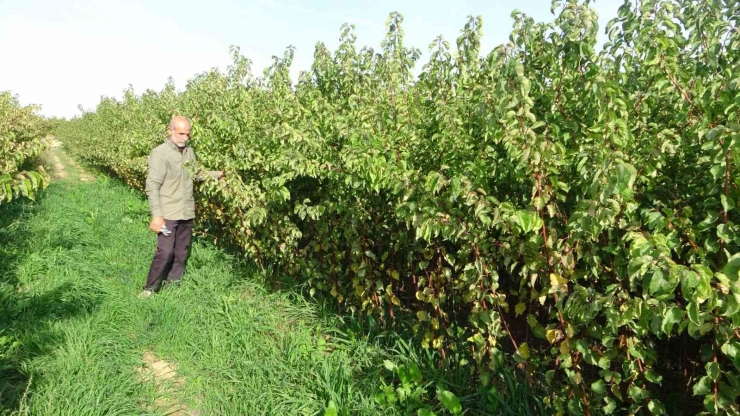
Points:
x=65, y=53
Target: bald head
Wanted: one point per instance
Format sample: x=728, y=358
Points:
x=179, y=120
x=179, y=131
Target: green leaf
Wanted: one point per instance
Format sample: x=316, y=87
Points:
x=403, y=375
x=520, y=308
x=425, y=412
x=637, y=394
x=450, y=401
x=415, y=372
x=656, y=407
x=732, y=267
x=331, y=410
x=528, y=220
x=662, y=284
x=732, y=306
x=711, y=405
x=727, y=203
x=724, y=231
x=703, y=386
x=653, y=377
x=519, y=68
x=697, y=286
x=731, y=350
x=672, y=316
x=611, y=406
x=524, y=350
x=694, y=314
x=526, y=85
x=717, y=171
x=622, y=180
x=713, y=370
x=598, y=387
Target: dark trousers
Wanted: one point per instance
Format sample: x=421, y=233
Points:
x=172, y=251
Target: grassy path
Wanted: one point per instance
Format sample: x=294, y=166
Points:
x=75, y=339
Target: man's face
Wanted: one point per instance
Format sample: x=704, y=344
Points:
x=180, y=133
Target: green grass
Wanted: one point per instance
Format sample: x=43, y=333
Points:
x=73, y=333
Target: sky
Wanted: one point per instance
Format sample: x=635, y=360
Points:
x=62, y=54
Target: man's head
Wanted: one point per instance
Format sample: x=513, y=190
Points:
x=179, y=131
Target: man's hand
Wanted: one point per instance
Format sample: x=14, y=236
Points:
x=221, y=174
x=156, y=224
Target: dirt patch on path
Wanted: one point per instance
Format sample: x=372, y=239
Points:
x=164, y=375
x=60, y=161
x=55, y=144
x=59, y=171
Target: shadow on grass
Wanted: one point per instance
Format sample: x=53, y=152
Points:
x=26, y=319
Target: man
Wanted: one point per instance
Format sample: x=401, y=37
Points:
x=169, y=189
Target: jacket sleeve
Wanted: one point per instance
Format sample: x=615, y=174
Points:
x=214, y=174
x=154, y=179
x=206, y=174
x=202, y=176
